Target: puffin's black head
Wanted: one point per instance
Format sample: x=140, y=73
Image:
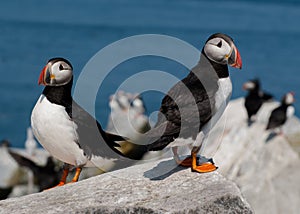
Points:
x=221, y=49
x=288, y=98
x=252, y=85
x=57, y=72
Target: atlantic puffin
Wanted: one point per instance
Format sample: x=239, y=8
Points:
x=255, y=98
x=65, y=129
x=45, y=176
x=280, y=114
x=193, y=106
x=128, y=115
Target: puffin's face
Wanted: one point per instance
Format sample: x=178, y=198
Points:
x=57, y=72
x=251, y=85
x=221, y=49
x=289, y=98
x=248, y=86
x=138, y=104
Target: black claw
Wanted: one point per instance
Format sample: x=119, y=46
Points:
x=211, y=160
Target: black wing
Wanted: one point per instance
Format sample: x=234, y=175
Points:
x=277, y=118
x=253, y=102
x=91, y=137
x=23, y=161
x=46, y=176
x=266, y=96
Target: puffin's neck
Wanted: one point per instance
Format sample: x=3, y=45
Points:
x=60, y=95
x=221, y=69
x=254, y=92
x=284, y=105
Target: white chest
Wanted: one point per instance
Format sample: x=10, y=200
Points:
x=290, y=111
x=55, y=131
x=224, y=93
x=222, y=98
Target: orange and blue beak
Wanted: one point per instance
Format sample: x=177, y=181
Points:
x=235, y=58
x=45, y=76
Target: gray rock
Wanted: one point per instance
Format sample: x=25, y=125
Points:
x=155, y=187
x=265, y=168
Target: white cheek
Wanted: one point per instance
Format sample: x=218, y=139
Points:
x=218, y=50
x=217, y=54
x=113, y=104
x=214, y=53
x=289, y=99
x=124, y=101
x=138, y=103
x=63, y=76
x=249, y=85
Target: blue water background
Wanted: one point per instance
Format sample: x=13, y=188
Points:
x=267, y=34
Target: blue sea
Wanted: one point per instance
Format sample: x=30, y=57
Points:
x=267, y=34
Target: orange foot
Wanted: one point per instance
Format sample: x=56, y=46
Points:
x=58, y=185
x=204, y=167
x=189, y=160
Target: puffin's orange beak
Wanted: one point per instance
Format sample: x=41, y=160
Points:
x=238, y=60
x=42, y=76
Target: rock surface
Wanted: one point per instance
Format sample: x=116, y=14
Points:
x=155, y=187
x=265, y=167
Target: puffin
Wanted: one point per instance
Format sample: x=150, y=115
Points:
x=255, y=98
x=193, y=106
x=68, y=132
x=46, y=176
x=128, y=115
x=6, y=188
x=280, y=114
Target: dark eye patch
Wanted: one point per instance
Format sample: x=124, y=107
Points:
x=61, y=67
x=219, y=44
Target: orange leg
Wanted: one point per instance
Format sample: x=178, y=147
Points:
x=186, y=162
x=62, y=180
x=64, y=177
x=203, y=167
x=77, y=174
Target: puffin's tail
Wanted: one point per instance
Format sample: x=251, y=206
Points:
x=133, y=151
x=126, y=147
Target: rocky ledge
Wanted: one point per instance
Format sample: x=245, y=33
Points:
x=154, y=187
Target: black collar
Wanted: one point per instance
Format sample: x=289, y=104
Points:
x=60, y=95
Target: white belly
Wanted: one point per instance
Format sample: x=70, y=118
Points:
x=56, y=132
x=222, y=98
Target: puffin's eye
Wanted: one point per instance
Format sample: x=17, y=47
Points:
x=61, y=67
x=219, y=44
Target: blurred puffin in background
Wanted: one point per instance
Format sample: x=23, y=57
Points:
x=255, y=98
x=45, y=176
x=282, y=113
x=128, y=118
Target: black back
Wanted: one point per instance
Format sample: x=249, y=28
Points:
x=278, y=117
x=253, y=102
